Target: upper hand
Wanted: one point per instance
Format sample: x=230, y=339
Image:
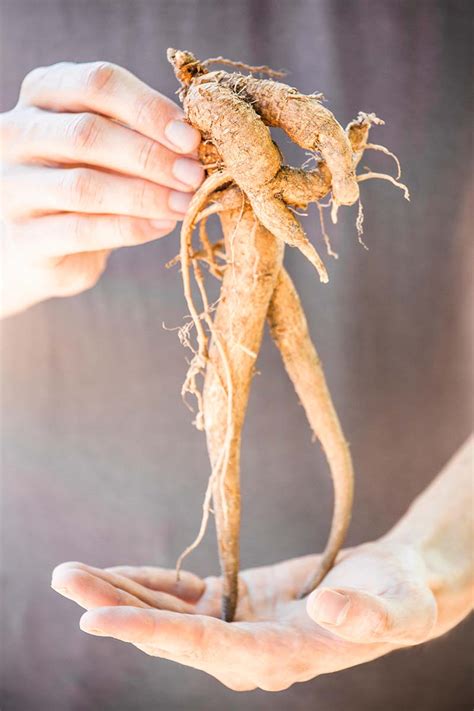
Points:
x=374, y=600
x=92, y=159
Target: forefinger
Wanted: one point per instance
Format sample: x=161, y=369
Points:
x=112, y=91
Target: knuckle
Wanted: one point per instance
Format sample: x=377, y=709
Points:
x=77, y=228
x=80, y=186
x=146, y=109
x=84, y=131
x=31, y=81
x=129, y=231
x=99, y=77
x=149, y=156
x=145, y=197
x=20, y=130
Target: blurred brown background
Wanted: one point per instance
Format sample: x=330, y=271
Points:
x=99, y=459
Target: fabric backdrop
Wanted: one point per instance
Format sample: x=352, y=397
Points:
x=100, y=462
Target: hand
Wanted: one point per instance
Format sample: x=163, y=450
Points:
x=375, y=599
x=92, y=159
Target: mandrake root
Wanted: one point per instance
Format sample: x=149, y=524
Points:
x=256, y=198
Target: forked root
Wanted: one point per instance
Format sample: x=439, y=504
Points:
x=290, y=332
x=254, y=258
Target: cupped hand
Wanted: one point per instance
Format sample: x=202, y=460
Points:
x=376, y=599
x=91, y=159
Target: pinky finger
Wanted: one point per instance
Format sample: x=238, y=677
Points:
x=73, y=233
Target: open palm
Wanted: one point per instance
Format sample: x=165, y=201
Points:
x=273, y=642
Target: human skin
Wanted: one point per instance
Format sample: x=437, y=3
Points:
x=408, y=587
x=92, y=159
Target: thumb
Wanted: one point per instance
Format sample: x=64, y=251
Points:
x=404, y=615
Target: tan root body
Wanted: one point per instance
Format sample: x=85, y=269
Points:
x=247, y=287
x=290, y=332
x=255, y=197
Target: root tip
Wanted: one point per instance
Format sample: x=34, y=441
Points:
x=229, y=604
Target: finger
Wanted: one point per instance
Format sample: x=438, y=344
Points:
x=210, y=643
x=74, y=273
x=189, y=587
x=71, y=579
x=91, y=592
x=97, y=141
x=73, y=233
x=36, y=190
x=112, y=91
x=403, y=616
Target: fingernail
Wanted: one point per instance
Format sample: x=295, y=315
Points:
x=182, y=135
x=188, y=171
x=161, y=225
x=60, y=590
x=330, y=607
x=179, y=202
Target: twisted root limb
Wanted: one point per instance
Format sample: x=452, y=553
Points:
x=247, y=288
x=305, y=120
x=289, y=330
